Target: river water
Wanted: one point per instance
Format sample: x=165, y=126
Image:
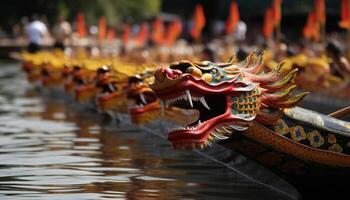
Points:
x=51, y=148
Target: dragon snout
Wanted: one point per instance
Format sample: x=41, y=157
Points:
x=163, y=72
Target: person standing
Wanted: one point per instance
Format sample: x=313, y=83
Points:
x=36, y=31
x=61, y=32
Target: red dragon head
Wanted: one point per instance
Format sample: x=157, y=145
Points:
x=87, y=81
x=229, y=97
x=112, y=94
x=146, y=105
x=52, y=76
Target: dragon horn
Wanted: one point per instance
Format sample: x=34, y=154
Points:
x=231, y=60
x=278, y=68
x=269, y=78
x=257, y=66
x=283, y=82
x=252, y=59
x=278, y=96
x=290, y=102
x=247, y=61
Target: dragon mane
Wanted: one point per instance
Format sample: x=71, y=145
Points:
x=274, y=91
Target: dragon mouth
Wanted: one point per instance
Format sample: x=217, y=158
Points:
x=51, y=77
x=112, y=97
x=86, y=92
x=212, y=110
x=144, y=100
x=183, y=90
x=85, y=85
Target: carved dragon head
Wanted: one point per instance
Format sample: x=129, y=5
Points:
x=123, y=82
x=229, y=97
x=146, y=105
x=51, y=75
x=112, y=96
x=86, y=83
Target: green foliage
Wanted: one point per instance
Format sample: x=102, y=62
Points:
x=11, y=11
x=114, y=10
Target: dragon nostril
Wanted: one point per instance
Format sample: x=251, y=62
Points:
x=168, y=72
x=177, y=72
x=159, y=74
x=163, y=72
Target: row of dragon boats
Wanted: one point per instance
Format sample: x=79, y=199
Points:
x=245, y=106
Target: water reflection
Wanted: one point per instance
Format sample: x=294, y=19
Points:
x=51, y=148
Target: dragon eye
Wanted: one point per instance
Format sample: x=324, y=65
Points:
x=216, y=73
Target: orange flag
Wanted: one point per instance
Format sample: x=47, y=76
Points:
x=233, y=18
x=268, y=23
x=81, y=28
x=320, y=11
x=173, y=32
x=126, y=34
x=176, y=29
x=157, y=31
x=344, y=16
x=102, y=28
x=111, y=35
x=312, y=27
x=198, y=22
x=277, y=16
x=142, y=35
x=307, y=31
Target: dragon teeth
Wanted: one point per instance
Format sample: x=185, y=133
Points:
x=226, y=130
x=209, y=143
x=110, y=86
x=219, y=136
x=189, y=97
x=202, y=100
x=143, y=99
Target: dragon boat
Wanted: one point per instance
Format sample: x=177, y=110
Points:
x=254, y=113
x=240, y=105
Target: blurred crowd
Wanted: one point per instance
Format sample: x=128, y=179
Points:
x=163, y=39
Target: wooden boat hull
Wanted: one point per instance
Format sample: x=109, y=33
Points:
x=308, y=168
